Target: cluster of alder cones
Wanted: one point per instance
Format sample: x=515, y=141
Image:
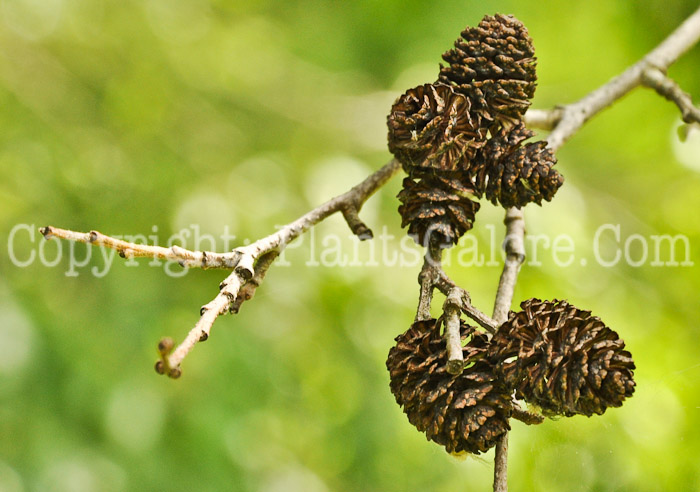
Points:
x=462, y=137
x=559, y=359
x=459, y=139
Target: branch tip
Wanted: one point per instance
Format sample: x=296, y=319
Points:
x=656, y=78
x=165, y=346
x=525, y=416
x=359, y=228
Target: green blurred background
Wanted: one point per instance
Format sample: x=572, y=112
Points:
x=145, y=117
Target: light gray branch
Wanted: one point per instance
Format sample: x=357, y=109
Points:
x=566, y=120
x=452, y=309
x=249, y=263
x=514, y=244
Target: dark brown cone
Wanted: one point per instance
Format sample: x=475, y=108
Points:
x=494, y=65
x=464, y=413
x=515, y=174
x=436, y=214
x=562, y=359
x=431, y=129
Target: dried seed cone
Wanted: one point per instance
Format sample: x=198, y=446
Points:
x=463, y=413
x=431, y=129
x=514, y=174
x=436, y=214
x=494, y=65
x=563, y=359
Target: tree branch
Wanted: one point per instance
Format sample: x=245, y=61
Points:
x=567, y=120
x=249, y=263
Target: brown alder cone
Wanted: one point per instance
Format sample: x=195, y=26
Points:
x=464, y=413
x=512, y=173
x=431, y=130
x=494, y=65
x=436, y=214
x=562, y=359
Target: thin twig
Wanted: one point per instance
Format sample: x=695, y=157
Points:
x=665, y=86
x=515, y=255
x=426, y=280
x=452, y=309
x=185, y=257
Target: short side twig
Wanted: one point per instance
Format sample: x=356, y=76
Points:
x=665, y=86
x=452, y=309
x=529, y=418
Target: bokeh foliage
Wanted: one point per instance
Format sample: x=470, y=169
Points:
x=124, y=115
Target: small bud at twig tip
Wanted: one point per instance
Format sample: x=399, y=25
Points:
x=366, y=234
x=165, y=346
x=175, y=373
x=46, y=232
x=160, y=367
x=455, y=367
